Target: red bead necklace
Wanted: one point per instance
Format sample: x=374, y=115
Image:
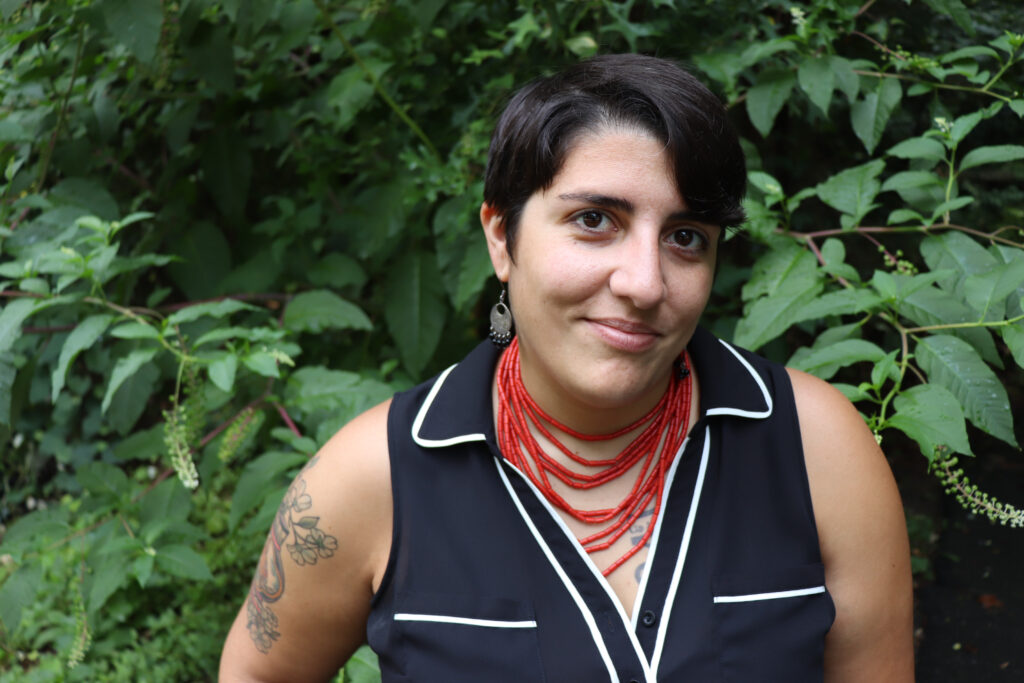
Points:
x=666, y=424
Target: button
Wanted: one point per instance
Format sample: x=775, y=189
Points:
x=648, y=618
x=633, y=680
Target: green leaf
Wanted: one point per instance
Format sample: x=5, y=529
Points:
x=262, y=363
x=957, y=252
x=82, y=337
x=103, y=479
x=986, y=292
x=929, y=149
x=852, y=191
x=847, y=79
x=415, y=308
x=930, y=415
x=337, y=270
x=870, y=115
x=950, y=206
x=932, y=306
x=818, y=80
x=995, y=154
x=968, y=53
x=954, y=9
x=227, y=171
x=900, y=216
x=214, y=309
x=258, y=480
x=826, y=361
x=17, y=592
x=906, y=180
x=840, y=302
x=204, y=259
x=475, y=271
x=963, y=125
x=254, y=334
x=170, y=501
x=109, y=574
x=136, y=23
x=954, y=364
x=1013, y=335
x=130, y=401
x=363, y=667
x=8, y=373
x=320, y=309
x=180, y=560
x=765, y=100
x=135, y=330
x=1018, y=107
x=222, y=371
x=11, y=318
x=770, y=316
x=785, y=262
x=125, y=368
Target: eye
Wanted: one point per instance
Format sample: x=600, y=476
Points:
x=591, y=220
x=688, y=239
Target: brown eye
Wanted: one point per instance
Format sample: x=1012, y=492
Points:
x=687, y=238
x=591, y=219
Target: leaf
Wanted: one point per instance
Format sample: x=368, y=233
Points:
x=262, y=363
x=125, y=368
x=765, y=100
x=930, y=415
x=136, y=23
x=253, y=334
x=1013, y=335
x=363, y=666
x=954, y=364
x=214, y=309
x=1018, y=107
x=906, y=180
x=847, y=79
x=82, y=337
x=169, y=501
x=929, y=149
x=8, y=373
x=227, y=171
x=337, y=270
x=204, y=259
x=135, y=330
x=473, y=274
x=853, y=190
x=995, y=154
x=968, y=53
x=959, y=253
x=782, y=263
x=950, y=206
x=986, y=292
x=931, y=306
x=308, y=522
x=102, y=479
x=11, y=318
x=956, y=10
x=770, y=316
x=17, y=592
x=415, y=308
x=180, y=560
x=258, y=480
x=870, y=115
x=817, y=79
x=129, y=402
x=321, y=309
x=841, y=302
x=826, y=361
x=222, y=371
x=106, y=577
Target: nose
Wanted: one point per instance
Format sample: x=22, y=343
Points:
x=638, y=273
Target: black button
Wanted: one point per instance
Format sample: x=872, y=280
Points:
x=648, y=618
x=633, y=680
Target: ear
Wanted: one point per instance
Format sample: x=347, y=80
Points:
x=494, y=230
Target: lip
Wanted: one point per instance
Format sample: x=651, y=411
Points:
x=626, y=335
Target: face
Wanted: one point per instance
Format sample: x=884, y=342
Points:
x=609, y=279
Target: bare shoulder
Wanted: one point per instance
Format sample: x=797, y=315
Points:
x=862, y=532
x=324, y=557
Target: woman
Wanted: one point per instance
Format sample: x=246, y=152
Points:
x=618, y=495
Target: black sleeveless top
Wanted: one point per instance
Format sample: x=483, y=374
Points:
x=485, y=583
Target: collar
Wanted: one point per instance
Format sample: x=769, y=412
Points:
x=457, y=408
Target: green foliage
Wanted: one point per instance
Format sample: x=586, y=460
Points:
x=226, y=228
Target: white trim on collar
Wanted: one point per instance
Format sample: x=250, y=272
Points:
x=760, y=384
x=417, y=424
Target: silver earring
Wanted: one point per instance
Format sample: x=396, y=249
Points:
x=501, y=323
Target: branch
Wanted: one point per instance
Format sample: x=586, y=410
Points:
x=48, y=154
x=374, y=80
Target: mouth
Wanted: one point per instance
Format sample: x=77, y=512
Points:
x=626, y=335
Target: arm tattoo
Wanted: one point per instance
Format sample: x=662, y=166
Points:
x=309, y=543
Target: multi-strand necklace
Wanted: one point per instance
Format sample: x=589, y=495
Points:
x=660, y=433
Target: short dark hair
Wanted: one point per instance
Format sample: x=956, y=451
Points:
x=545, y=119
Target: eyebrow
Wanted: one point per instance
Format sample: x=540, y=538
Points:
x=619, y=203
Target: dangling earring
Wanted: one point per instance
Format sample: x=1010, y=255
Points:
x=501, y=323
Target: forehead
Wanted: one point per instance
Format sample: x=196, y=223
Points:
x=617, y=162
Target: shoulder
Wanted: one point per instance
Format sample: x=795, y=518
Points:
x=862, y=533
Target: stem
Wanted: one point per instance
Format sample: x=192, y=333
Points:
x=48, y=154
x=934, y=84
x=865, y=229
x=287, y=419
x=952, y=177
x=374, y=80
x=960, y=326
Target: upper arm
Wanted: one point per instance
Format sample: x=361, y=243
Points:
x=324, y=556
x=863, y=537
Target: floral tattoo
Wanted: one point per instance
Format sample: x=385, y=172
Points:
x=309, y=543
